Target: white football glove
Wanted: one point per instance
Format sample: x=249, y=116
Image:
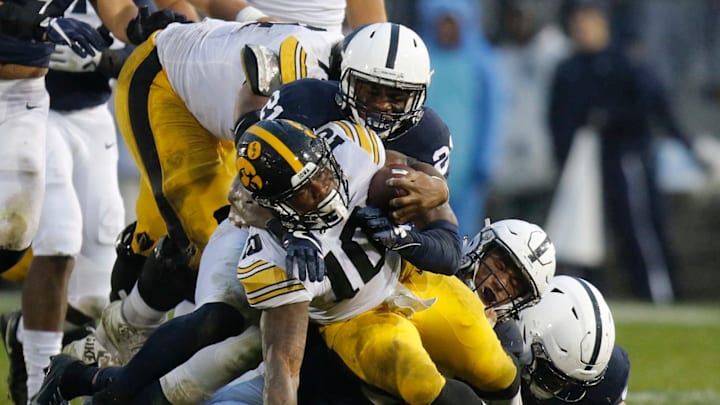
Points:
x=66, y=60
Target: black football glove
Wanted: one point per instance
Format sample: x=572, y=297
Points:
x=381, y=230
x=83, y=39
x=141, y=27
x=304, y=250
x=29, y=19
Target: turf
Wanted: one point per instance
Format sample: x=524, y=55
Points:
x=674, y=351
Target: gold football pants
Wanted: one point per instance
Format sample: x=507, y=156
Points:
x=402, y=355
x=185, y=170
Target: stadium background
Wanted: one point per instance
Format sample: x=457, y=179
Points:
x=673, y=348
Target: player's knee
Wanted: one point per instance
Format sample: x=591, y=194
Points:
x=421, y=389
x=216, y=321
x=10, y=257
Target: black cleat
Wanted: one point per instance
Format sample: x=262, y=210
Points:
x=49, y=393
x=17, y=375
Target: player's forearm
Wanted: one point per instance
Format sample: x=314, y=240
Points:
x=360, y=12
x=116, y=15
x=439, y=248
x=223, y=9
x=179, y=6
x=283, y=338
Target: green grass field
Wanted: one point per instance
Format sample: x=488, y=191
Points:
x=674, y=351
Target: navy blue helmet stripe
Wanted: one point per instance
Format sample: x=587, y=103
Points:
x=392, y=51
x=598, y=324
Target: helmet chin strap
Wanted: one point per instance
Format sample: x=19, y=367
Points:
x=538, y=392
x=334, y=203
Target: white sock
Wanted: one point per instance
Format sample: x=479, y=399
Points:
x=138, y=313
x=38, y=346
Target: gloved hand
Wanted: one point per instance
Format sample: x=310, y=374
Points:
x=66, y=60
x=380, y=229
x=28, y=19
x=141, y=27
x=83, y=39
x=304, y=250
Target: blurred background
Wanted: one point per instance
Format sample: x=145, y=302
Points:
x=616, y=153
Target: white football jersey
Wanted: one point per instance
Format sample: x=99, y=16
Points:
x=328, y=14
x=202, y=62
x=359, y=277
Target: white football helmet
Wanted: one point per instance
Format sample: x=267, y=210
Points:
x=568, y=339
x=392, y=56
x=531, y=257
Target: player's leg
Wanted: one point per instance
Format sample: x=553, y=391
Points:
x=96, y=183
x=95, y=180
x=459, y=338
x=135, y=315
x=385, y=350
x=55, y=246
x=23, y=123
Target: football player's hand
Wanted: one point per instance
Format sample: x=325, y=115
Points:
x=141, y=27
x=304, y=250
x=83, y=39
x=29, y=19
x=425, y=192
x=380, y=229
x=65, y=59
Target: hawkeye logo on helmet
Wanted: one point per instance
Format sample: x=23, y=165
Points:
x=248, y=175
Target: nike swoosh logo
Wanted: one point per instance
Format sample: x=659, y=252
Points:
x=31, y=106
x=109, y=145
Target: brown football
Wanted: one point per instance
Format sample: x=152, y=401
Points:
x=379, y=194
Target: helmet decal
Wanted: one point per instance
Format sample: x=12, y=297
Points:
x=278, y=145
x=248, y=175
x=393, y=48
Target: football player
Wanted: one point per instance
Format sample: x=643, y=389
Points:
x=176, y=104
x=28, y=32
x=362, y=309
x=430, y=126
x=510, y=264
x=82, y=208
x=569, y=351
x=293, y=172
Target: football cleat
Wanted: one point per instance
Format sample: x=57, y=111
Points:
x=90, y=351
x=49, y=393
x=118, y=336
x=17, y=375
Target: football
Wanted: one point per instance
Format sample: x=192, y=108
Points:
x=380, y=194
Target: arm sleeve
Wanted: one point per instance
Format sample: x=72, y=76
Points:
x=438, y=250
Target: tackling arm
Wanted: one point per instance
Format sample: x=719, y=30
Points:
x=427, y=191
x=361, y=12
x=116, y=15
x=283, y=331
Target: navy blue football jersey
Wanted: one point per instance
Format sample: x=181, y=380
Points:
x=314, y=103
x=611, y=390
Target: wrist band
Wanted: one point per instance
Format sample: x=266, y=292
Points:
x=249, y=13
